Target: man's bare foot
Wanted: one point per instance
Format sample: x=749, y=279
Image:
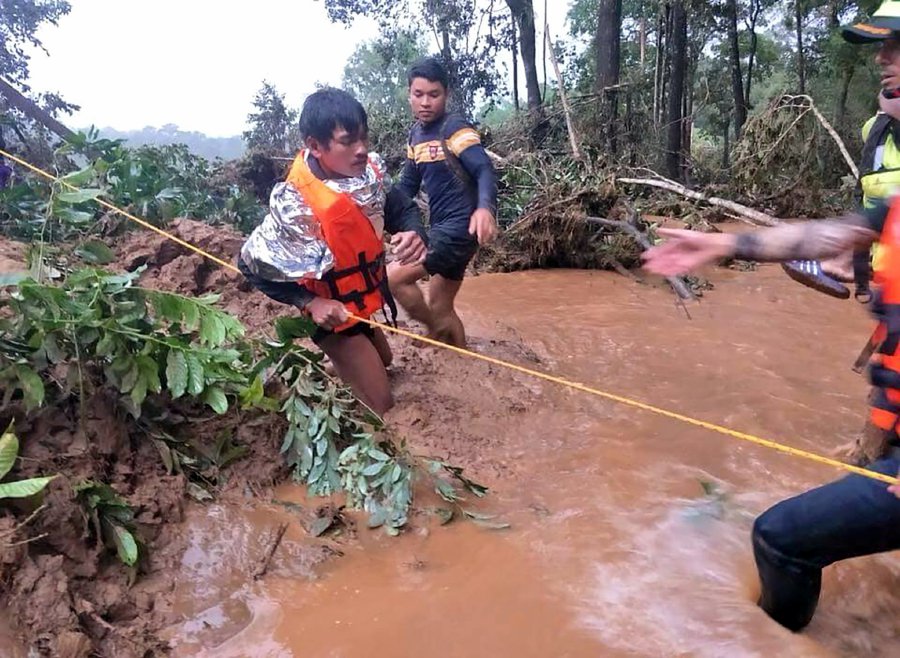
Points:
x=870, y=446
x=440, y=336
x=446, y=334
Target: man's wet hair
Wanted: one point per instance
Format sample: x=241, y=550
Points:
x=328, y=109
x=429, y=68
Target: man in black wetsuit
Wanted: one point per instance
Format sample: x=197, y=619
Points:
x=446, y=158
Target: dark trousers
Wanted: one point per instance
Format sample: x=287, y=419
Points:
x=794, y=540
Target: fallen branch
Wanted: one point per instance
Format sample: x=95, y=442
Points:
x=264, y=565
x=744, y=213
x=678, y=284
x=498, y=160
x=573, y=138
x=521, y=221
x=831, y=131
x=624, y=271
x=33, y=111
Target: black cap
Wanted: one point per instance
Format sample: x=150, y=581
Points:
x=884, y=24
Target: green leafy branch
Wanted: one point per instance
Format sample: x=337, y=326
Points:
x=335, y=444
x=99, y=330
x=111, y=518
x=144, y=341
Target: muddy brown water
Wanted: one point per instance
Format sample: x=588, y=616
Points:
x=613, y=550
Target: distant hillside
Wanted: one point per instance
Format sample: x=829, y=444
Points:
x=226, y=148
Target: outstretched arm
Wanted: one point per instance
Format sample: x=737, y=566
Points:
x=806, y=240
x=687, y=250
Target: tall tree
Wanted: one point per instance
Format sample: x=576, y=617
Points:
x=463, y=32
x=752, y=20
x=273, y=126
x=514, y=49
x=376, y=71
x=523, y=15
x=607, y=63
x=737, y=79
x=675, y=115
x=607, y=40
x=799, y=13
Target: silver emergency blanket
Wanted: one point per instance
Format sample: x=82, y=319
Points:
x=288, y=244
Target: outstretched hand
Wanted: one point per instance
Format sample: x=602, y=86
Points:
x=685, y=251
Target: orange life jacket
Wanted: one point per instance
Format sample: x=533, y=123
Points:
x=884, y=370
x=358, y=278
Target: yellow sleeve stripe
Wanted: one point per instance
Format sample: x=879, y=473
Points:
x=410, y=153
x=462, y=139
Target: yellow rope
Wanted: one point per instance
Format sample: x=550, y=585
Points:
x=743, y=436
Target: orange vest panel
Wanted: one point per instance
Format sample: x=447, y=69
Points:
x=358, y=277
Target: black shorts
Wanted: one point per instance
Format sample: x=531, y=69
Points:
x=449, y=255
x=292, y=294
x=358, y=329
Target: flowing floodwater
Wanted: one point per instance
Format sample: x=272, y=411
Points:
x=614, y=548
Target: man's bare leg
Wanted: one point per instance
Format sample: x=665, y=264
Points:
x=870, y=446
x=379, y=340
x=402, y=281
x=359, y=364
x=447, y=325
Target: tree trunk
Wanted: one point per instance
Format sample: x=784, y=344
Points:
x=523, y=13
x=834, y=13
x=726, y=146
x=446, y=53
x=737, y=78
x=607, y=58
x=515, y=66
x=756, y=9
x=754, y=41
x=544, y=56
x=629, y=128
x=666, y=79
x=658, y=68
x=32, y=110
x=607, y=44
x=643, y=41
x=674, y=116
x=841, y=110
x=801, y=58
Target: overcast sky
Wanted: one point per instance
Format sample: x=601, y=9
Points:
x=195, y=63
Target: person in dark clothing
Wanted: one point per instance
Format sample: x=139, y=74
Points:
x=855, y=516
x=5, y=170
x=446, y=159
x=5, y=174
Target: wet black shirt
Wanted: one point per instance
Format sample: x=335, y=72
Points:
x=450, y=201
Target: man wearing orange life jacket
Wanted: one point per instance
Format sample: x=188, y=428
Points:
x=321, y=247
x=855, y=516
